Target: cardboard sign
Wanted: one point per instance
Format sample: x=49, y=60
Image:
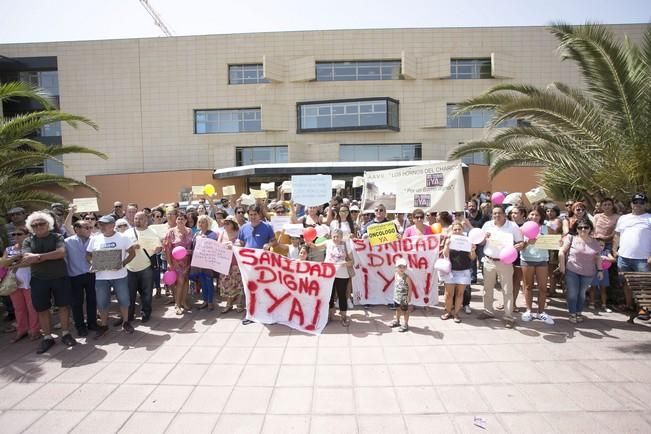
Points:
x=460, y=243
x=548, y=242
x=229, y=190
x=247, y=199
x=358, y=181
x=212, y=255
x=375, y=268
x=258, y=194
x=497, y=241
x=197, y=190
x=106, y=260
x=279, y=221
x=86, y=204
x=286, y=186
x=293, y=230
x=435, y=187
x=160, y=230
x=536, y=194
x=382, y=233
x=285, y=291
x=268, y=186
x=338, y=184
x=311, y=190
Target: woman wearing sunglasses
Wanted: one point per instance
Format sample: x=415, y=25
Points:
x=579, y=260
x=419, y=227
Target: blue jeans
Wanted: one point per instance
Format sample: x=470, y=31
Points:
x=207, y=287
x=103, y=292
x=576, y=286
x=636, y=265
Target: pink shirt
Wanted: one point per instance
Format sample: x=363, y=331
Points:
x=412, y=231
x=604, y=226
x=581, y=255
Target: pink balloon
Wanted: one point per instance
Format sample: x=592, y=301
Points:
x=169, y=277
x=476, y=236
x=179, y=252
x=443, y=265
x=530, y=230
x=605, y=264
x=508, y=255
x=497, y=198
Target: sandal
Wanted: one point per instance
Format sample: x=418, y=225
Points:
x=457, y=319
x=345, y=322
x=445, y=316
x=395, y=324
x=227, y=309
x=18, y=338
x=178, y=310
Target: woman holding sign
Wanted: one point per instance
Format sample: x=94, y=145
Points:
x=461, y=253
x=179, y=236
x=231, y=283
x=205, y=276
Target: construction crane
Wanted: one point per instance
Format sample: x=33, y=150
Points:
x=157, y=19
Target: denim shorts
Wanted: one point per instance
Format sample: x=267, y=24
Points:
x=533, y=263
x=636, y=265
x=103, y=292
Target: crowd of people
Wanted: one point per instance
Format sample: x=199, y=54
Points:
x=56, y=259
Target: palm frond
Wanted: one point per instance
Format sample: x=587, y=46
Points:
x=17, y=89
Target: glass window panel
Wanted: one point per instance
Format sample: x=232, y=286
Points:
x=246, y=74
x=351, y=114
x=380, y=152
x=227, y=121
x=324, y=110
x=362, y=70
x=470, y=68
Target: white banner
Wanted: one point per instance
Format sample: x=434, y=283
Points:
x=285, y=291
x=375, y=269
x=436, y=187
x=311, y=190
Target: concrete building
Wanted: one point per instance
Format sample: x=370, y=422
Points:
x=173, y=110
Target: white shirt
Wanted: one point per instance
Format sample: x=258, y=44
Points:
x=508, y=233
x=634, y=236
x=114, y=242
x=148, y=240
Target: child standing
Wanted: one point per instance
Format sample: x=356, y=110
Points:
x=402, y=287
x=602, y=284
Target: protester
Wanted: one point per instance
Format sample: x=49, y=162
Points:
x=343, y=222
x=554, y=227
x=179, y=236
x=205, y=276
x=118, y=210
x=419, y=227
x=583, y=262
x=82, y=280
x=21, y=298
x=44, y=251
x=460, y=274
x=601, y=286
x=16, y=217
x=402, y=289
x=231, y=283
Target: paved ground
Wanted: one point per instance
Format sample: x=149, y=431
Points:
x=199, y=373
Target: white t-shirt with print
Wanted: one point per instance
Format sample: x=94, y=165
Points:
x=116, y=241
x=634, y=236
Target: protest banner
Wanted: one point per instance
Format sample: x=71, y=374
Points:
x=382, y=233
x=548, y=242
x=498, y=240
x=258, y=194
x=460, y=243
x=285, y=291
x=294, y=230
x=105, y=260
x=437, y=187
x=268, y=186
x=212, y=255
x=279, y=221
x=311, y=190
x=228, y=190
x=197, y=190
x=286, y=187
x=375, y=268
x=86, y=204
x=160, y=230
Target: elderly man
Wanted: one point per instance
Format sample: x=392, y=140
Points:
x=500, y=233
x=82, y=280
x=632, y=241
x=129, y=216
x=44, y=251
x=118, y=210
x=140, y=272
x=108, y=245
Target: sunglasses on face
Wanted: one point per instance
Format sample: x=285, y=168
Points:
x=380, y=210
x=38, y=224
x=419, y=217
x=90, y=218
x=117, y=206
x=638, y=202
x=240, y=212
x=580, y=209
x=17, y=234
x=583, y=228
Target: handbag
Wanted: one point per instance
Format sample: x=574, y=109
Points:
x=9, y=284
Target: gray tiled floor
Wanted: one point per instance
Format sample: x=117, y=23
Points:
x=207, y=373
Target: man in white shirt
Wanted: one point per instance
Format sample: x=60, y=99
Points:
x=632, y=240
x=500, y=233
x=104, y=245
x=140, y=272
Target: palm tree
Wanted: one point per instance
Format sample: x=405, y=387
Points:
x=591, y=142
x=19, y=152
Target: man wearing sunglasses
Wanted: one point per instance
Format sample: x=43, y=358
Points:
x=16, y=217
x=632, y=241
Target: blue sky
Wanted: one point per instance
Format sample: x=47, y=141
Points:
x=63, y=20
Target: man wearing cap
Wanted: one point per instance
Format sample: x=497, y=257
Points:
x=108, y=240
x=632, y=241
x=16, y=217
x=500, y=233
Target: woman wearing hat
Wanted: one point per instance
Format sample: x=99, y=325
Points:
x=231, y=283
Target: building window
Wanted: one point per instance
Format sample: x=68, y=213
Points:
x=246, y=74
x=463, y=69
x=381, y=152
x=245, y=156
x=227, y=121
x=348, y=115
x=478, y=118
x=48, y=80
x=354, y=71
x=476, y=158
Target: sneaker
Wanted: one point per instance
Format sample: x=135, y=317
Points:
x=395, y=324
x=572, y=319
x=509, y=323
x=127, y=327
x=545, y=318
x=403, y=328
x=467, y=309
x=145, y=318
x=526, y=317
x=69, y=340
x=118, y=322
x=485, y=315
x=46, y=344
x=591, y=306
x=457, y=319
x=606, y=309
x=392, y=306
x=246, y=321
x=580, y=318
x=101, y=331
x=82, y=332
